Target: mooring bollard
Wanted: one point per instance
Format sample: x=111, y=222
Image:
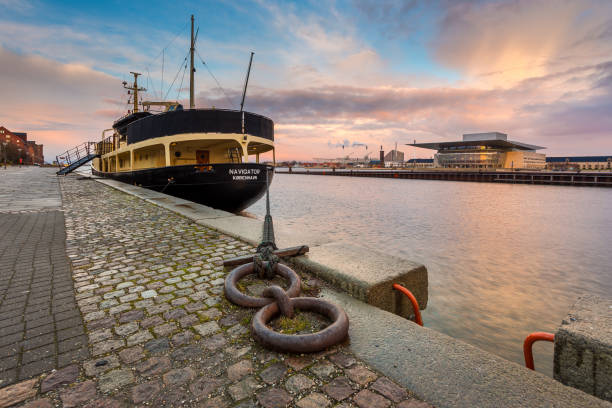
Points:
x=266, y=264
x=278, y=301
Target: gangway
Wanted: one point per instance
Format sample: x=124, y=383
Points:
x=76, y=157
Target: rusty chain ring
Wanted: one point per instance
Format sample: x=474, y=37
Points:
x=276, y=300
x=301, y=343
x=281, y=298
x=235, y=296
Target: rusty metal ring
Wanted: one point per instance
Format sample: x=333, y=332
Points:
x=281, y=298
x=235, y=296
x=301, y=343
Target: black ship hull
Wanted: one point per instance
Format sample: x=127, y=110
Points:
x=227, y=186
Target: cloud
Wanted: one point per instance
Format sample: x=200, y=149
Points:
x=501, y=43
x=321, y=47
x=556, y=110
x=21, y=6
x=97, y=46
x=537, y=70
x=394, y=18
x=59, y=105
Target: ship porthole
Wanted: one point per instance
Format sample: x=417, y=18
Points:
x=177, y=154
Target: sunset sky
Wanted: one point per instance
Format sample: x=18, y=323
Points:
x=329, y=73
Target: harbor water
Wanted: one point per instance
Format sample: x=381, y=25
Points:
x=504, y=260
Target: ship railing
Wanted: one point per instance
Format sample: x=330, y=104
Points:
x=76, y=154
x=106, y=146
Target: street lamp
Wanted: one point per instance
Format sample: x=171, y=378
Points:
x=4, y=144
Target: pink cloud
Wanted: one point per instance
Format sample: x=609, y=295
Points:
x=59, y=105
x=540, y=73
x=501, y=43
x=557, y=110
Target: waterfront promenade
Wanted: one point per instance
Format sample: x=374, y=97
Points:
x=40, y=322
x=148, y=285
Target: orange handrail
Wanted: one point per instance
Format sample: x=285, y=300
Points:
x=415, y=304
x=532, y=338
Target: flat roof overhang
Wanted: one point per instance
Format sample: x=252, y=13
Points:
x=500, y=144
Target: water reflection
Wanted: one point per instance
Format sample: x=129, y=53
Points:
x=504, y=260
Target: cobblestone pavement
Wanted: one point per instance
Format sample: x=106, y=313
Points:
x=40, y=324
x=149, y=284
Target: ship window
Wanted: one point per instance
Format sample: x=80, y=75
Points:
x=177, y=154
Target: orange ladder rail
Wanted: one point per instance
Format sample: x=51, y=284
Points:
x=528, y=343
x=415, y=304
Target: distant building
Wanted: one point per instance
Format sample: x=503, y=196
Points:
x=490, y=150
x=18, y=146
x=421, y=163
x=579, y=163
x=394, y=156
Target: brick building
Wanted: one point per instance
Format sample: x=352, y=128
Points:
x=18, y=146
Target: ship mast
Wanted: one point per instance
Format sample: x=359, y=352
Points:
x=246, y=82
x=191, y=71
x=135, y=89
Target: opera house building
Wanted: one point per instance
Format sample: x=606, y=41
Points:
x=490, y=150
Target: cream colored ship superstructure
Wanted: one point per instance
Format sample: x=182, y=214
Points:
x=211, y=156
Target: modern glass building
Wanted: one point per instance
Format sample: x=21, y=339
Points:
x=490, y=150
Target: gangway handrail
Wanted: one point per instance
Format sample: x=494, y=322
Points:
x=75, y=154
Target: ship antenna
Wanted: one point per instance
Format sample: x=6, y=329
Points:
x=192, y=70
x=135, y=89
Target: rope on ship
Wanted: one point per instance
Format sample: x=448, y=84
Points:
x=215, y=78
x=176, y=76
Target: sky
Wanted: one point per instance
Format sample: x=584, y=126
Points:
x=339, y=77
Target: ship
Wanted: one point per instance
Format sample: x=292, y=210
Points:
x=208, y=156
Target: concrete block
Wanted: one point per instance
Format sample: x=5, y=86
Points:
x=583, y=347
x=193, y=210
x=367, y=275
x=244, y=228
x=250, y=230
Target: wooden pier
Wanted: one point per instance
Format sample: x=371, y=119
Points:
x=592, y=179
